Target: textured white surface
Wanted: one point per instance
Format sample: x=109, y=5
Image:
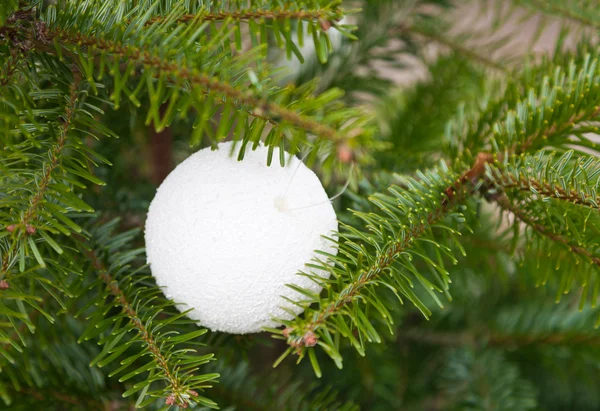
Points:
x=222, y=239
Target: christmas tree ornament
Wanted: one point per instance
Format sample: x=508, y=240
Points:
x=224, y=237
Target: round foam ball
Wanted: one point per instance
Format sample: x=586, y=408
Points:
x=224, y=237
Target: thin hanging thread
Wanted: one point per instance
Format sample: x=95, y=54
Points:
x=321, y=203
x=330, y=199
x=294, y=173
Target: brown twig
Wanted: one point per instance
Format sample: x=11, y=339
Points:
x=471, y=176
x=54, y=161
x=245, y=15
x=161, y=151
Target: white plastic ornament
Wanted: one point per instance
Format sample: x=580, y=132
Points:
x=224, y=236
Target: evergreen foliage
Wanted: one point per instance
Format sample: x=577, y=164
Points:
x=468, y=254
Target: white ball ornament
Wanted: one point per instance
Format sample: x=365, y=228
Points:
x=224, y=237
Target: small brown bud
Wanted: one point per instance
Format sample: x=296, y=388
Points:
x=344, y=154
x=310, y=339
x=193, y=393
x=4, y=285
x=170, y=399
x=11, y=228
x=30, y=229
x=325, y=24
x=286, y=332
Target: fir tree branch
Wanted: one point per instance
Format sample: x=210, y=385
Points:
x=387, y=258
x=471, y=182
x=272, y=111
x=25, y=226
x=547, y=190
x=568, y=179
x=555, y=130
x=546, y=133
x=552, y=105
x=245, y=15
x=504, y=202
x=54, y=156
x=483, y=159
x=177, y=388
x=163, y=341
